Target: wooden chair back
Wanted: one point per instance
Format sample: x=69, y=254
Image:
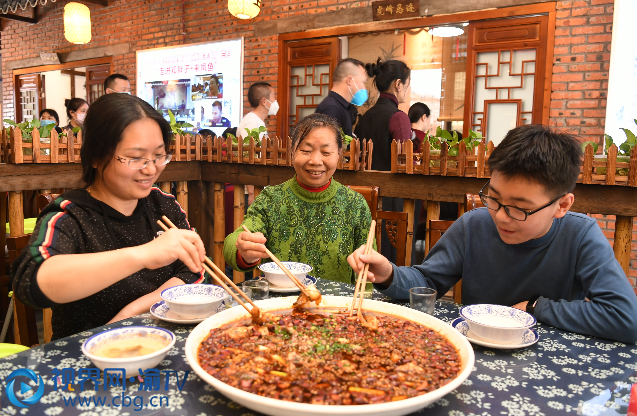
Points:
x=370, y=193
x=472, y=201
x=436, y=229
x=396, y=227
x=45, y=199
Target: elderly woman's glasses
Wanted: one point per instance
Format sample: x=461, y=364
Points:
x=516, y=213
x=142, y=162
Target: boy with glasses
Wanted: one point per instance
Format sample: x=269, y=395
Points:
x=526, y=249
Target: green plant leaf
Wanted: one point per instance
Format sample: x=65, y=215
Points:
x=184, y=124
x=10, y=122
x=595, y=146
x=630, y=136
x=445, y=135
x=173, y=121
x=453, y=151
x=625, y=148
x=76, y=129
x=608, y=142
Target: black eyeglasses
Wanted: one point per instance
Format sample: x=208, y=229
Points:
x=142, y=162
x=515, y=213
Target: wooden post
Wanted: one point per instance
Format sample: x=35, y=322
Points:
x=257, y=191
x=55, y=143
x=219, y=231
x=426, y=158
x=587, y=169
x=35, y=144
x=16, y=145
x=394, y=156
x=408, y=146
x=481, y=160
x=462, y=154
x=219, y=145
x=165, y=187
x=3, y=227
x=409, y=206
x=632, y=170
x=623, y=236
x=275, y=151
x=70, y=147
x=251, y=151
x=198, y=146
x=16, y=214
x=433, y=213
x=182, y=195
x=611, y=161
x=239, y=209
x=187, y=142
x=443, y=159
x=240, y=150
x=4, y=146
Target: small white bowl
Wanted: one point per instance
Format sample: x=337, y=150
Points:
x=277, y=277
x=498, y=324
x=132, y=365
x=194, y=301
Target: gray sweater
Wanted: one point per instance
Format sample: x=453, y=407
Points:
x=573, y=261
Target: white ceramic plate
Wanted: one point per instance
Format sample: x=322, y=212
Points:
x=309, y=280
x=161, y=311
x=530, y=337
x=271, y=406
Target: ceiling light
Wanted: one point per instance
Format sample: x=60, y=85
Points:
x=446, y=31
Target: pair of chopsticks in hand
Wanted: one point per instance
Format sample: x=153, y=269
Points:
x=361, y=282
x=287, y=272
x=219, y=277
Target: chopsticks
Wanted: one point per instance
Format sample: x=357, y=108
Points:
x=215, y=275
x=362, y=274
x=282, y=266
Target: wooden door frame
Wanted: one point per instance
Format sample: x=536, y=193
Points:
x=46, y=68
x=543, y=78
x=283, y=95
x=548, y=8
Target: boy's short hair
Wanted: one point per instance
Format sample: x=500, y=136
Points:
x=537, y=153
x=257, y=91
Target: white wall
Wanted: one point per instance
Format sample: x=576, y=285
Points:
x=57, y=87
x=621, y=109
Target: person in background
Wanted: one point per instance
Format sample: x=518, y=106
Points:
x=117, y=83
x=384, y=122
x=217, y=120
x=207, y=133
x=420, y=117
x=310, y=218
x=262, y=99
x=76, y=109
x=97, y=255
x=215, y=90
x=525, y=249
x=348, y=87
x=50, y=116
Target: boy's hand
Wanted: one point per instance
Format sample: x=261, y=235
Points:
x=380, y=269
x=521, y=306
x=251, y=246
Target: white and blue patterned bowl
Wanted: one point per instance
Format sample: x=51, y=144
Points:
x=497, y=323
x=194, y=301
x=277, y=277
x=132, y=365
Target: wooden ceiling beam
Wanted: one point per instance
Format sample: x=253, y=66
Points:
x=103, y=3
x=31, y=20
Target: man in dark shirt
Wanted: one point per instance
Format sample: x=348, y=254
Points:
x=349, y=78
x=217, y=120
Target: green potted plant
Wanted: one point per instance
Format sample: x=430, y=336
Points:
x=453, y=142
x=26, y=127
x=623, y=151
x=252, y=133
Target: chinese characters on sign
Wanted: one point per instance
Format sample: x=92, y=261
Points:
x=65, y=378
x=395, y=9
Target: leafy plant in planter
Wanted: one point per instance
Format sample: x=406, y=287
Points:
x=623, y=150
x=453, y=143
x=252, y=133
x=177, y=127
x=27, y=127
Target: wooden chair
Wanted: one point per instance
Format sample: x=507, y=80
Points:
x=396, y=227
x=45, y=199
x=370, y=193
x=437, y=228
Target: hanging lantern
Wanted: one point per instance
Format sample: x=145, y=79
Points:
x=244, y=9
x=77, y=23
x=446, y=31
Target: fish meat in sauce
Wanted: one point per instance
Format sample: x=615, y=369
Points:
x=330, y=359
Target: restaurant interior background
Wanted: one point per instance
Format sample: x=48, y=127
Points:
x=565, y=79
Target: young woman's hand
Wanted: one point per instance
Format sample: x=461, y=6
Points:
x=174, y=244
x=380, y=269
x=251, y=246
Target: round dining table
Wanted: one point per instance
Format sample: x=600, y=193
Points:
x=562, y=374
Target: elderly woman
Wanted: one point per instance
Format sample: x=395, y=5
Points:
x=97, y=254
x=311, y=218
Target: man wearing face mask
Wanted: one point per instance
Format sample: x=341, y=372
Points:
x=117, y=83
x=348, y=87
x=262, y=99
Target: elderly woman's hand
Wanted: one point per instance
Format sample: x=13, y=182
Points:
x=251, y=246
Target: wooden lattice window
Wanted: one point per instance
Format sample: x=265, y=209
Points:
x=95, y=76
x=506, y=75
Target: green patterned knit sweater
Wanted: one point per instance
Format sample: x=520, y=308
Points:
x=317, y=228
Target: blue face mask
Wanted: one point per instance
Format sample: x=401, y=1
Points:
x=360, y=97
x=46, y=122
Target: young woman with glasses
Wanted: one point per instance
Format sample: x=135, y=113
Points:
x=97, y=254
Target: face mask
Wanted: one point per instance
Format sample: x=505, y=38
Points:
x=46, y=122
x=80, y=117
x=274, y=108
x=125, y=92
x=360, y=97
